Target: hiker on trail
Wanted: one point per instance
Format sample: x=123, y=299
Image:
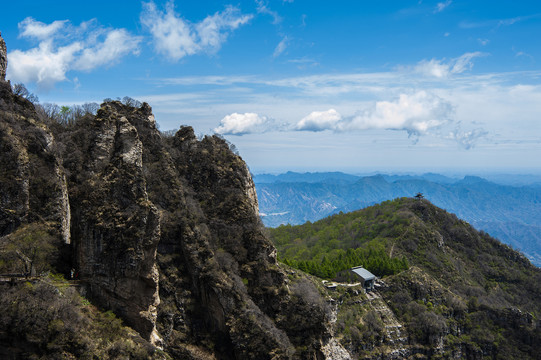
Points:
x=71, y=273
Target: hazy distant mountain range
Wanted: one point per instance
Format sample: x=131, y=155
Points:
x=509, y=213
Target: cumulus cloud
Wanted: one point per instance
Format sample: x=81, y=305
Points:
x=417, y=114
x=176, y=37
x=441, y=69
x=44, y=65
x=320, y=121
x=63, y=47
x=240, y=124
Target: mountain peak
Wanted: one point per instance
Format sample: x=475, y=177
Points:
x=438, y=277
x=470, y=179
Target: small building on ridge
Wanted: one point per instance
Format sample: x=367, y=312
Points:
x=367, y=278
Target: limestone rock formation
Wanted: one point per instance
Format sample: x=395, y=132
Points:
x=116, y=227
x=164, y=231
x=3, y=59
x=33, y=182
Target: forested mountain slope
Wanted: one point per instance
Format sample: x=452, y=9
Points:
x=464, y=294
x=510, y=213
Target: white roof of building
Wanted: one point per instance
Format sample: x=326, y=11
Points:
x=363, y=273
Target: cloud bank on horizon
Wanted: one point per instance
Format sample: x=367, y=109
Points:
x=417, y=114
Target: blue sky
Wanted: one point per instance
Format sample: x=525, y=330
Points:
x=299, y=85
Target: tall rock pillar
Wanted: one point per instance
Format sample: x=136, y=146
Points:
x=3, y=59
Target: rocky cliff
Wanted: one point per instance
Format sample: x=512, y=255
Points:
x=33, y=182
x=3, y=59
x=116, y=226
x=164, y=231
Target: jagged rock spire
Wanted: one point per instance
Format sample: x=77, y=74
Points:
x=3, y=59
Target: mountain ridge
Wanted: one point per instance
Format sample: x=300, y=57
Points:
x=507, y=212
x=464, y=295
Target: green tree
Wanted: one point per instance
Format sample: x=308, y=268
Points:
x=64, y=113
x=30, y=250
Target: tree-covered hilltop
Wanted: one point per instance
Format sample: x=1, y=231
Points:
x=463, y=294
x=337, y=243
x=510, y=213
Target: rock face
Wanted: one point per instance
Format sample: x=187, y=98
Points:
x=3, y=59
x=32, y=182
x=116, y=227
x=164, y=231
x=193, y=204
x=229, y=275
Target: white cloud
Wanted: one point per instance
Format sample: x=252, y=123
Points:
x=172, y=35
x=492, y=101
x=507, y=22
x=464, y=62
x=433, y=68
x=320, y=121
x=117, y=43
x=44, y=65
x=441, y=69
x=523, y=54
x=303, y=63
x=36, y=29
x=212, y=31
x=63, y=47
x=177, y=37
x=417, y=114
x=282, y=45
x=467, y=139
x=442, y=5
x=262, y=8
x=239, y=124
